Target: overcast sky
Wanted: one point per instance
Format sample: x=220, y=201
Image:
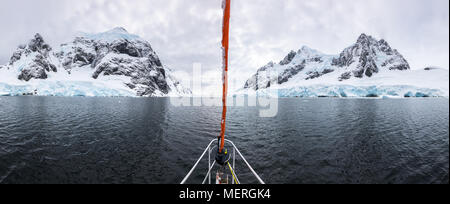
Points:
x=183, y=32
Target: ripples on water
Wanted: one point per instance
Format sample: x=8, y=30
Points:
x=133, y=140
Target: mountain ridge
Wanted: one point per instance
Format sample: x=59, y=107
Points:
x=114, y=56
x=363, y=63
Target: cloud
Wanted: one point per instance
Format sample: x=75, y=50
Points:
x=186, y=32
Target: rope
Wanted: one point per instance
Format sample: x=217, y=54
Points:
x=232, y=173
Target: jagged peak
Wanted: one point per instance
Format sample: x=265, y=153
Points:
x=363, y=36
x=383, y=42
x=292, y=52
x=37, y=39
x=38, y=36
x=303, y=53
x=288, y=59
x=385, y=47
x=365, y=41
x=368, y=40
x=36, y=44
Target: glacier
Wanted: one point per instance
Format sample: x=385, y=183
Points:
x=387, y=84
x=349, y=91
x=47, y=88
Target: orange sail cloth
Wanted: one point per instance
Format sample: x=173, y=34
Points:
x=225, y=42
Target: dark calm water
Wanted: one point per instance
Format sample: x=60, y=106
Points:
x=132, y=140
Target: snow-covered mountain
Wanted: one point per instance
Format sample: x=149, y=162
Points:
x=369, y=67
x=113, y=63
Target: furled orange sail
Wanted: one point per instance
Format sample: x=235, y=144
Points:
x=225, y=42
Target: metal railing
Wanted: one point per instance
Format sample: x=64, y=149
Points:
x=209, y=150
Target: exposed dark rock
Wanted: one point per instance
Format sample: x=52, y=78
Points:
x=372, y=96
x=430, y=68
x=400, y=67
x=384, y=47
x=345, y=76
x=313, y=75
x=126, y=47
x=316, y=59
x=288, y=59
x=83, y=58
x=288, y=73
x=358, y=73
x=366, y=52
x=37, y=44
x=422, y=95
x=327, y=71
x=28, y=74
x=39, y=63
x=260, y=79
x=16, y=56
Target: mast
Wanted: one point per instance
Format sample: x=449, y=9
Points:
x=226, y=5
